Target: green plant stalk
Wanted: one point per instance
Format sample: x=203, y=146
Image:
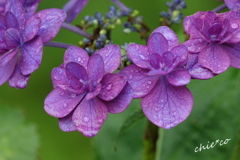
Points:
x=150, y=141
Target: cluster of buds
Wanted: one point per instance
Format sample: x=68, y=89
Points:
x=125, y=61
x=174, y=14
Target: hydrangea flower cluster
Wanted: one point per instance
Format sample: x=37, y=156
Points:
x=22, y=35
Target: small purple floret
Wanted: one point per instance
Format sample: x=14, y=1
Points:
x=86, y=89
x=159, y=76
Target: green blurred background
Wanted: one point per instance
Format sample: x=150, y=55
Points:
x=28, y=133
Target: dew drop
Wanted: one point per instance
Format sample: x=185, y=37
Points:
x=79, y=59
x=109, y=86
x=234, y=25
x=156, y=109
x=59, y=71
x=130, y=77
x=100, y=120
x=149, y=82
x=86, y=119
x=73, y=95
x=65, y=105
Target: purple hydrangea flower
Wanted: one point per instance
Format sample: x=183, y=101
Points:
x=21, y=40
x=73, y=8
x=232, y=4
x=86, y=89
x=215, y=38
x=159, y=76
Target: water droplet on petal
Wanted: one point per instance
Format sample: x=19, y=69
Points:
x=65, y=105
x=156, y=109
x=130, y=77
x=100, y=120
x=234, y=25
x=86, y=119
x=79, y=59
x=73, y=95
x=149, y=82
x=109, y=87
x=59, y=71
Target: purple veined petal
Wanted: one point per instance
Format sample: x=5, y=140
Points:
x=111, y=56
x=73, y=8
x=51, y=21
x=59, y=77
x=140, y=82
x=59, y=103
x=16, y=7
x=188, y=20
x=8, y=64
x=215, y=58
x=181, y=53
x=168, y=61
x=169, y=34
x=66, y=124
x=122, y=101
x=95, y=69
x=166, y=106
x=11, y=21
x=196, y=70
x=195, y=45
x=112, y=85
x=2, y=6
x=3, y=46
x=139, y=55
x=179, y=77
x=12, y=38
x=155, y=60
x=2, y=22
x=30, y=7
x=76, y=54
x=232, y=4
x=233, y=51
x=94, y=92
x=157, y=43
x=31, y=55
x=31, y=28
x=18, y=80
x=89, y=116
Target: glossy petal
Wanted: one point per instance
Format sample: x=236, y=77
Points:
x=30, y=7
x=31, y=55
x=95, y=69
x=111, y=55
x=157, y=43
x=169, y=34
x=18, y=80
x=12, y=38
x=179, y=78
x=138, y=54
x=59, y=78
x=76, y=54
x=73, y=8
x=7, y=65
x=59, y=103
x=11, y=21
x=112, y=85
x=66, y=124
x=51, y=21
x=31, y=28
x=215, y=58
x=122, y=101
x=140, y=82
x=16, y=7
x=166, y=106
x=233, y=51
x=89, y=116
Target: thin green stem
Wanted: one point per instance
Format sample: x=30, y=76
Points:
x=159, y=143
x=150, y=141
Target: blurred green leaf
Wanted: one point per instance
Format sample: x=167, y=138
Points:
x=18, y=139
x=215, y=116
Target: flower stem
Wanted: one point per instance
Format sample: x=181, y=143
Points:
x=220, y=8
x=150, y=141
x=76, y=30
x=120, y=5
x=57, y=44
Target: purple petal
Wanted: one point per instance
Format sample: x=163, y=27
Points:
x=188, y=21
x=73, y=8
x=31, y=28
x=66, y=124
x=76, y=54
x=121, y=102
x=112, y=85
x=139, y=80
x=18, y=80
x=95, y=69
x=215, y=58
x=30, y=7
x=138, y=54
x=195, y=45
x=157, y=43
x=166, y=106
x=59, y=78
x=31, y=55
x=196, y=70
x=181, y=54
x=155, y=60
x=169, y=34
x=16, y=7
x=8, y=62
x=11, y=21
x=233, y=51
x=89, y=116
x=179, y=78
x=59, y=103
x=111, y=55
x=2, y=22
x=51, y=21
x=12, y=38
x=94, y=92
x=233, y=4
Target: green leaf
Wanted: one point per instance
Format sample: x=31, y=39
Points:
x=18, y=139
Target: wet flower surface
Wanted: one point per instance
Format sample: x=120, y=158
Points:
x=22, y=40
x=159, y=76
x=86, y=89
